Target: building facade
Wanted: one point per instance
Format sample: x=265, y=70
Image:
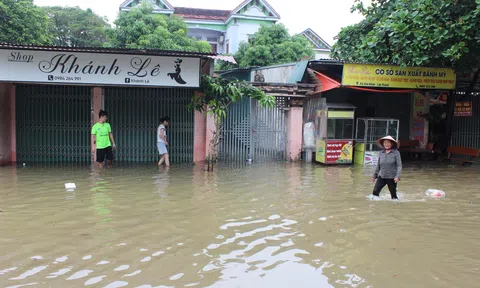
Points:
x=223, y=29
x=51, y=96
x=226, y=29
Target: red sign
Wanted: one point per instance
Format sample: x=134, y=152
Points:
x=418, y=122
x=339, y=152
x=463, y=108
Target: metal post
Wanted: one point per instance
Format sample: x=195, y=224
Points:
x=253, y=127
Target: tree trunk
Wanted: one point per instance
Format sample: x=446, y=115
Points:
x=213, y=154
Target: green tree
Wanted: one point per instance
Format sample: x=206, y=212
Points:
x=75, y=27
x=140, y=28
x=22, y=22
x=414, y=33
x=271, y=45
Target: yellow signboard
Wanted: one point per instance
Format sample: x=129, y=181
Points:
x=320, y=153
x=385, y=76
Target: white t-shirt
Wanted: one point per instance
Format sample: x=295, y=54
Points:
x=159, y=139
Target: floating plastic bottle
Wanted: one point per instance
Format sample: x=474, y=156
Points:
x=70, y=186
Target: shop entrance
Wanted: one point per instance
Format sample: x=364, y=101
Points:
x=53, y=123
x=135, y=113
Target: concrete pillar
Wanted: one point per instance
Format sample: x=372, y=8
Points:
x=204, y=124
x=13, y=125
x=199, y=137
x=294, y=133
x=97, y=103
x=208, y=66
x=7, y=124
x=4, y=124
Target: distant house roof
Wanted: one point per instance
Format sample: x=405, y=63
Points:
x=317, y=41
x=267, y=8
x=202, y=14
x=255, y=9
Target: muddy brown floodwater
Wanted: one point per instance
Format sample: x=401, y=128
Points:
x=263, y=225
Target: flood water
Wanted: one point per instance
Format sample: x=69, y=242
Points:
x=261, y=225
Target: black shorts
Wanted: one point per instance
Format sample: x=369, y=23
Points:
x=104, y=153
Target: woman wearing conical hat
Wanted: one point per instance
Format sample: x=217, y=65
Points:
x=389, y=167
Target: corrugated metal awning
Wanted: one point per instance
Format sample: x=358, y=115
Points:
x=151, y=52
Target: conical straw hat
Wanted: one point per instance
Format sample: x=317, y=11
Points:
x=395, y=143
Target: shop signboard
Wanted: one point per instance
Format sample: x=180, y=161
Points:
x=386, y=76
x=320, y=151
x=371, y=157
x=62, y=67
x=463, y=109
x=339, y=152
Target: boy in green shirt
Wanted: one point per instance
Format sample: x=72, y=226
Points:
x=103, y=138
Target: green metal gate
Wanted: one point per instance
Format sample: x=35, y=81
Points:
x=253, y=132
x=53, y=123
x=236, y=132
x=134, y=114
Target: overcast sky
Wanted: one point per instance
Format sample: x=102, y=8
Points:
x=325, y=17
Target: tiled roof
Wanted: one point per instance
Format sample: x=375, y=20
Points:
x=208, y=14
x=109, y=50
x=202, y=14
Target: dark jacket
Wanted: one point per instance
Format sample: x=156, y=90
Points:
x=389, y=165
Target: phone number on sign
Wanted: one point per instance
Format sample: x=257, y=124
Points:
x=64, y=78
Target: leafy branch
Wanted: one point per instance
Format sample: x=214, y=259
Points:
x=216, y=94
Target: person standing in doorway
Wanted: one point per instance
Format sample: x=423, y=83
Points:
x=389, y=167
x=102, y=140
x=162, y=142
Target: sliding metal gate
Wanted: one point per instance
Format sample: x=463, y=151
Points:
x=236, y=133
x=134, y=114
x=53, y=123
x=466, y=130
x=253, y=132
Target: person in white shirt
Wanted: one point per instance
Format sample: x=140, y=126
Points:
x=162, y=142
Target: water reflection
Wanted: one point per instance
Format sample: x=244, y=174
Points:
x=261, y=225
x=161, y=181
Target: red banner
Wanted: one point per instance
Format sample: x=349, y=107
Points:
x=339, y=152
x=463, y=109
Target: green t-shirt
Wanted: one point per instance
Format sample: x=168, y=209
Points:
x=101, y=132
